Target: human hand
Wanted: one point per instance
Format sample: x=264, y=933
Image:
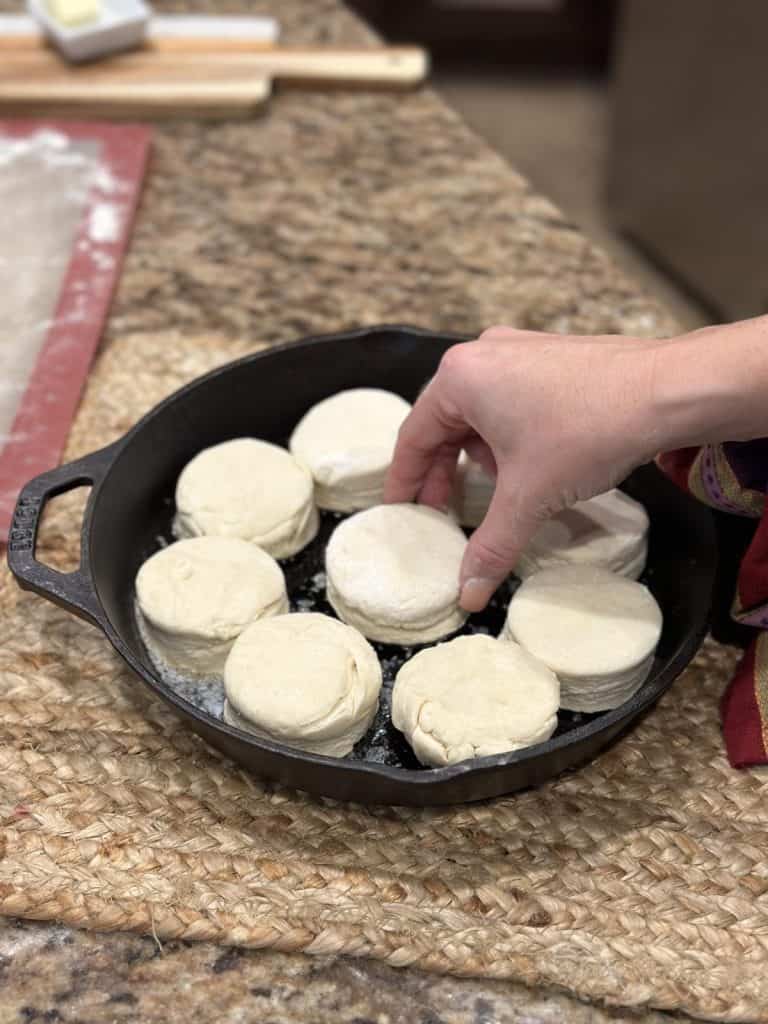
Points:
x=556, y=419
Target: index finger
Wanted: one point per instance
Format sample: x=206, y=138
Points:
x=427, y=429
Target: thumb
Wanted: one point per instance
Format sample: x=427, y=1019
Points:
x=495, y=546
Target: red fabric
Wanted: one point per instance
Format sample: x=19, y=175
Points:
x=677, y=465
x=742, y=722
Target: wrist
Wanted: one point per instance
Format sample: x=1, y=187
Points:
x=711, y=385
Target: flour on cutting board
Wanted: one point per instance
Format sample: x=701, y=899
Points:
x=48, y=184
x=104, y=222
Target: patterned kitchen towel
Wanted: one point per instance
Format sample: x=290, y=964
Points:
x=733, y=477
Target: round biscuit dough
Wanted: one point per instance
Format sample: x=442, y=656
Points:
x=393, y=573
x=249, y=489
x=609, y=530
x=471, y=697
x=196, y=596
x=347, y=441
x=305, y=680
x=596, y=630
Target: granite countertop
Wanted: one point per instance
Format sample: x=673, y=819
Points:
x=50, y=973
x=333, y=209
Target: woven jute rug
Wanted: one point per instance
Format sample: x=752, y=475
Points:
x=641, y=879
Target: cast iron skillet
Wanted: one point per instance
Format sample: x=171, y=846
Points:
x=264, y=395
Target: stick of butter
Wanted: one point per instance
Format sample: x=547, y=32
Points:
x=74, y=12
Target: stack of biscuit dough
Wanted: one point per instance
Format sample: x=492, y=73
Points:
x=249, y=489
x=347, y=442
x=609, y=531
x=471, y=697
x=596, y=630
x=305, y=680
x=393, y=573
x=196, y=597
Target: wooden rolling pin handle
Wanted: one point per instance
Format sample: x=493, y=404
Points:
x=405, y=65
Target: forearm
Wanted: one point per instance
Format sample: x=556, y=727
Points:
x=712, y=385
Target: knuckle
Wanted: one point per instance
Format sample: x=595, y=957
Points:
x=454, y=360
x=491, y=333
x=461, y=363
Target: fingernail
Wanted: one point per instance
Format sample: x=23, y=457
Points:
x=476, y=593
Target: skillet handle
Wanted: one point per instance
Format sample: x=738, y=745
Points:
x=72, y=590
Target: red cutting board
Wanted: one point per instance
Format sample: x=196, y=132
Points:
x=45, y=396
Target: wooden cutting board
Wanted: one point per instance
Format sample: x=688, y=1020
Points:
x=173, y=79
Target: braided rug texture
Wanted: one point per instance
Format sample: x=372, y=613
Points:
x=641, y=879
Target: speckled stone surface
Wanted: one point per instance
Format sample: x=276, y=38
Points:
x=331, y=209
x=56, y=974
x=339, y=208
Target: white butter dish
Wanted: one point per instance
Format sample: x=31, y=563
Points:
x=120, y=25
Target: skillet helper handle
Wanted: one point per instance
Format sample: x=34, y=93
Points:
x=72, y=590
